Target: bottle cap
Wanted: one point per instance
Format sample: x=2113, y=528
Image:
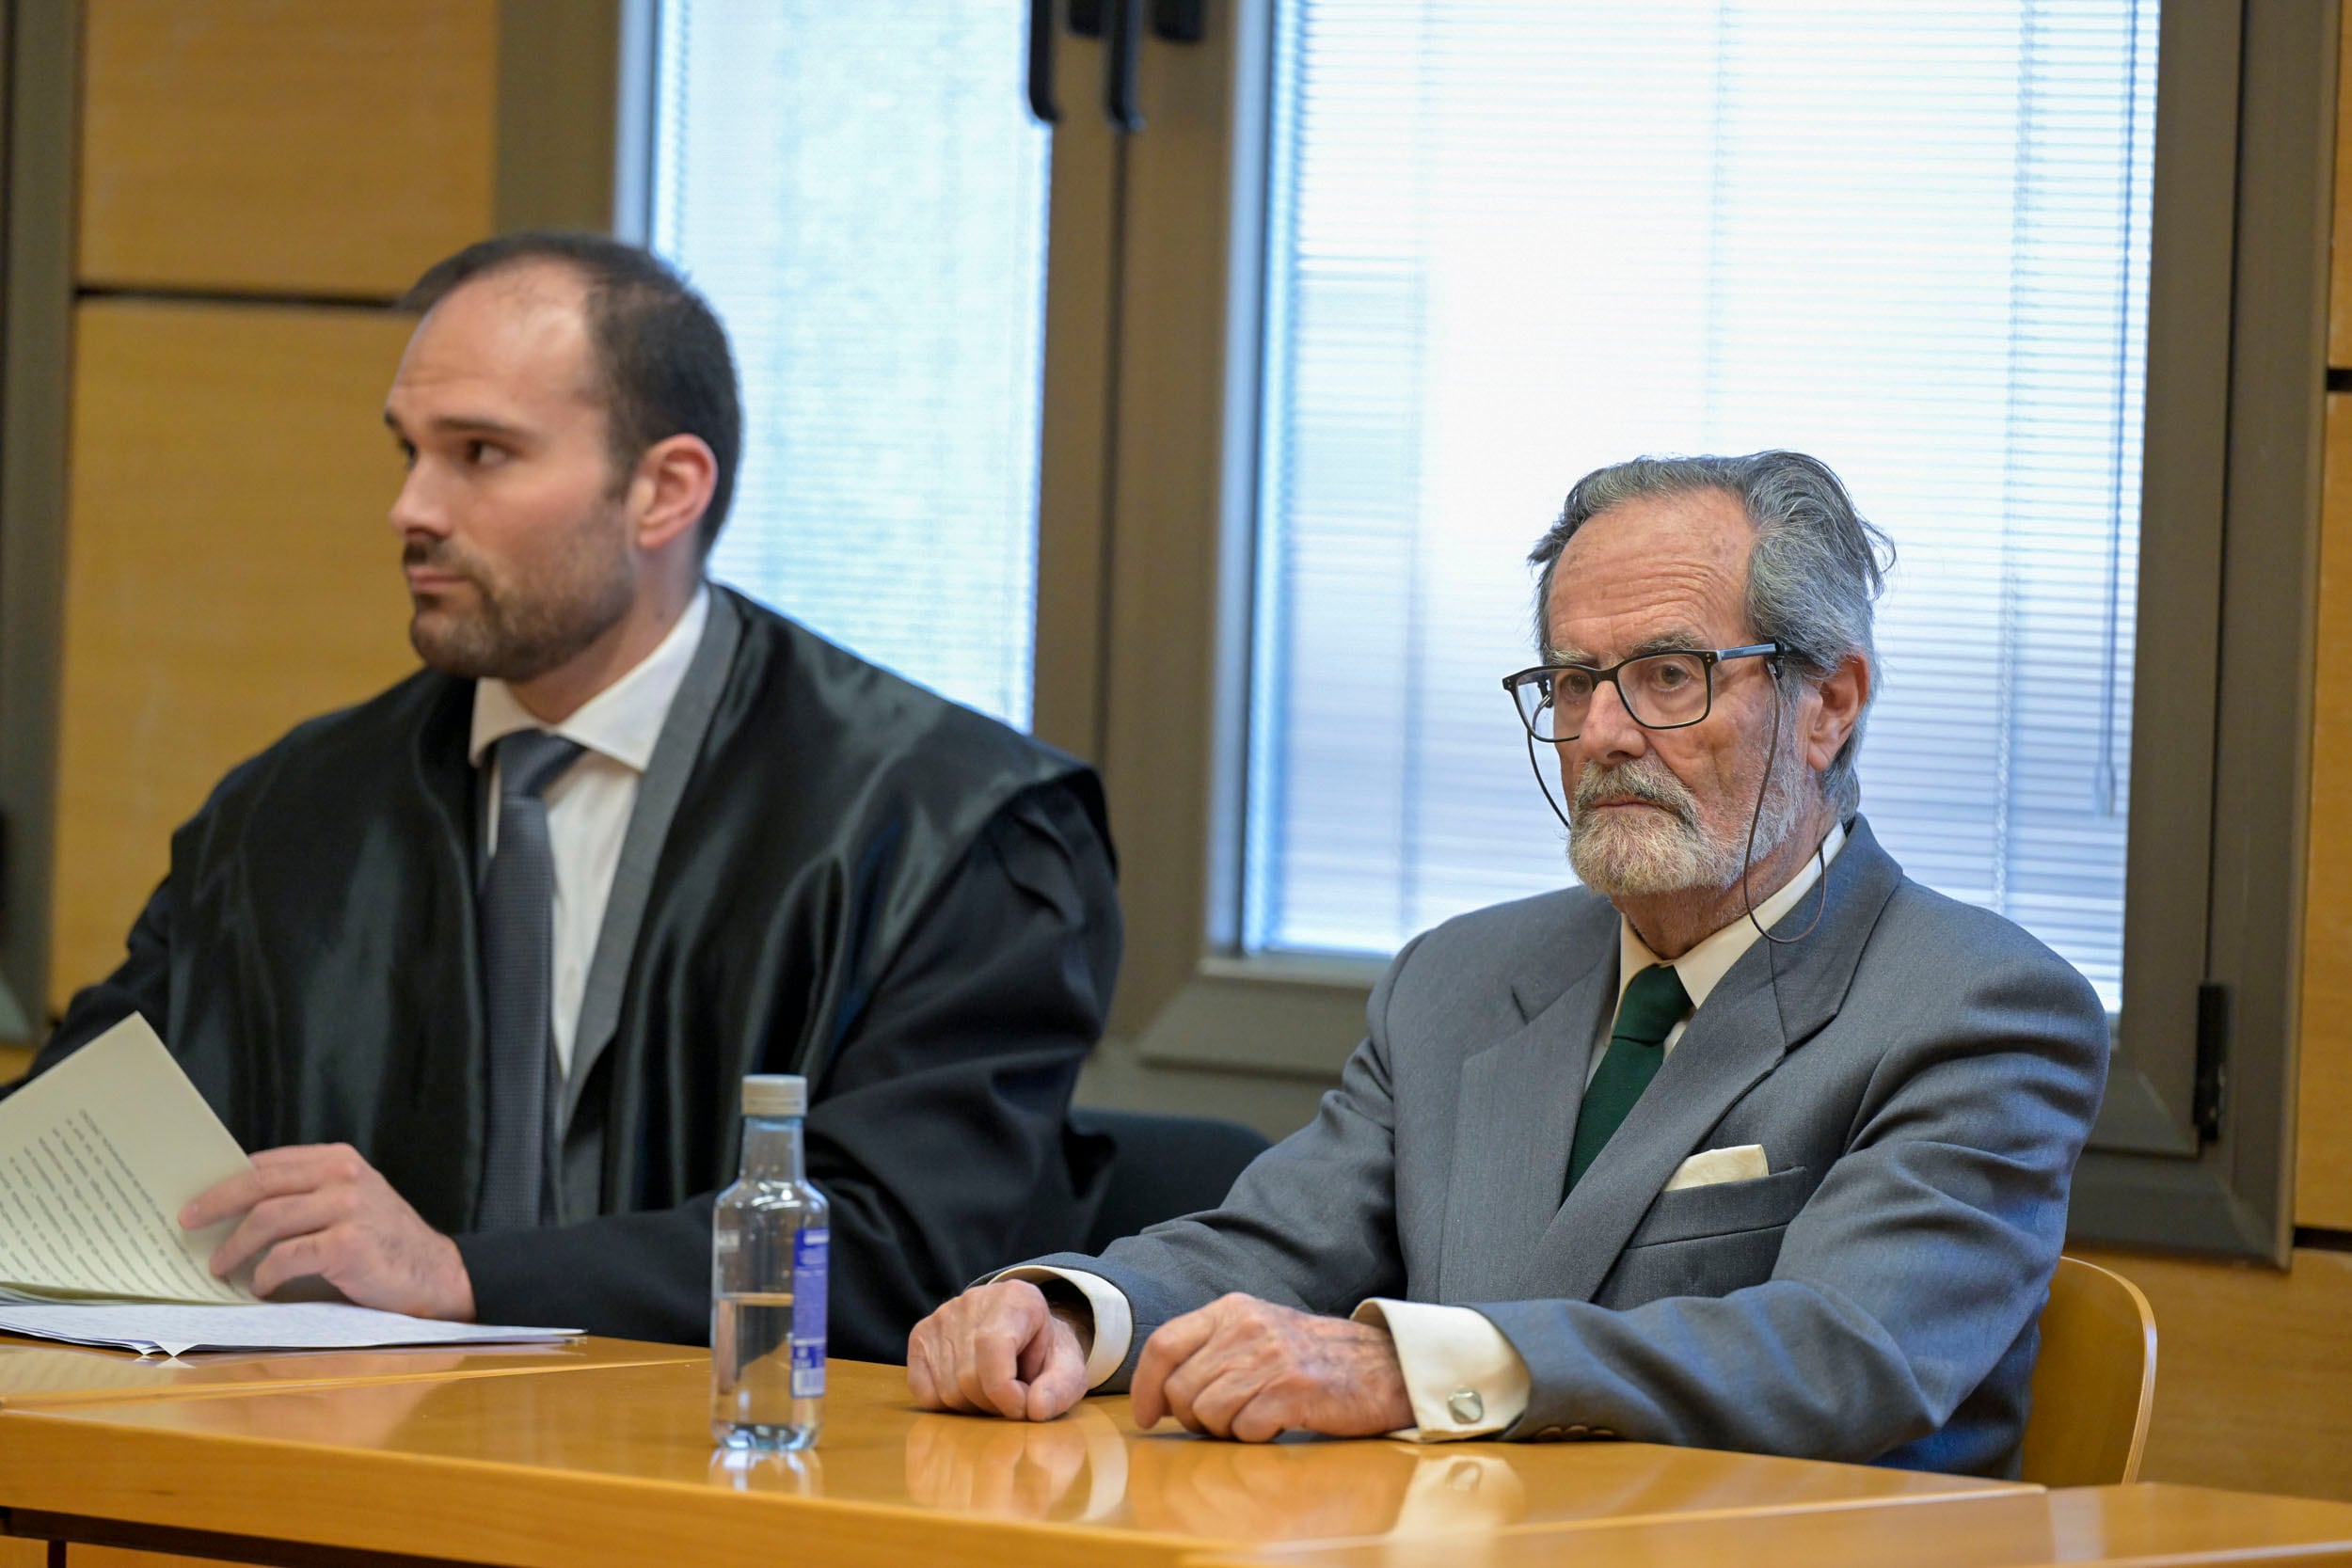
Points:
x=776, y=1094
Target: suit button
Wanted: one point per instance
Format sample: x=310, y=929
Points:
x=1604, y=1431
x=1466, y=1406
x=1548, y=1432
x=1580, y=1431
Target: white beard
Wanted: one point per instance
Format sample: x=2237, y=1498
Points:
x=1633, y=853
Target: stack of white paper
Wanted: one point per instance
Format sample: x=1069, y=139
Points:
x=97, y=1157
x=150, y=1328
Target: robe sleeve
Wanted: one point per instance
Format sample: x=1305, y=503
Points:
x=938, y=1129
x=140, y=984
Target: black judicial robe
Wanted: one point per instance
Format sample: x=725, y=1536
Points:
x=904, y=900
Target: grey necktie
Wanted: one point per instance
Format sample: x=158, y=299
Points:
x=517, y=970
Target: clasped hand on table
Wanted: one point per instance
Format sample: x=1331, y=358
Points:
x=1237, y=1367
x=321, y=1208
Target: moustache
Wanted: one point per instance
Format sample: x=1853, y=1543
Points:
x=1646, y=780
x=438, y=557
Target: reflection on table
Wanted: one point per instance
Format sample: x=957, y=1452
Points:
x=617, y=1463
x=2140, y=1525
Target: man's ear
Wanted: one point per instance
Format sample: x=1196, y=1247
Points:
x=1840, y=697
x=670, y=489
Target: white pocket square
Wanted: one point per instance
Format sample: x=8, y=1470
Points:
x=1742, y=1163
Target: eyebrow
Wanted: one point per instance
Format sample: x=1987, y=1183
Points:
x=458, y=424
x=1673, y=640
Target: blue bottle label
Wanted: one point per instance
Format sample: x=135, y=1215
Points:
x=809, y=1249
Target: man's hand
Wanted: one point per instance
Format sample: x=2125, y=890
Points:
x=998, y=1350
x=1247, y=1369
x=320, y=1209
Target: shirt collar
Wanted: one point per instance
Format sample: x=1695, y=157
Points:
x=1711, y=958
x=624, y=721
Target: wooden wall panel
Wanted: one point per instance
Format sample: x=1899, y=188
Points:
x=2323, y=1163
x=284, y=146
x=228, y=572
x=2340, y=280
x=2253, y=1366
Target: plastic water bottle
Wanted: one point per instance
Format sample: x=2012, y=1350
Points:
x=769, y=1238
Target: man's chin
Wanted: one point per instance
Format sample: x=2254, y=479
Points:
x=449, y=645
x=1620, y=853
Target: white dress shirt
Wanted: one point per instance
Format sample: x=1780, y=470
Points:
x=1462, y=1375
x=590, y=802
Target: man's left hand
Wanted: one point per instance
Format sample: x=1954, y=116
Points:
x=1247, y=1369
x=321, y=1208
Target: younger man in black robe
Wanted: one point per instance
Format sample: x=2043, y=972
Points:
x=804, y=865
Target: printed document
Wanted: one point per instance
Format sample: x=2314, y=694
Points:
x=97, y=1158
x=97, y=1155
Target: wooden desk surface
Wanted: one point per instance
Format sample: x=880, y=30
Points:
x=2112, y=1525
x=36, y=1374
x=615, y=1464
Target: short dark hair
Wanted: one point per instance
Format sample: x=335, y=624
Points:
x=662, y=365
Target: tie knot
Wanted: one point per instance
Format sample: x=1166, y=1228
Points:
x=1653, y=1004
x=529, y=760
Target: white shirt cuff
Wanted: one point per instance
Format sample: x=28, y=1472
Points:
x=1462, y=1375
x=1113, y=1324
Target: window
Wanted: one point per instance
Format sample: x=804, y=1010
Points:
x=862, y=194
x=1510, y=243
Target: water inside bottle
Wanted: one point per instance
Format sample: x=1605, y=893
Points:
x=751, y=1358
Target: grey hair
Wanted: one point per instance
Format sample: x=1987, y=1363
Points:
x=1816, y=568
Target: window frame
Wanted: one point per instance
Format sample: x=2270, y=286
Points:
x=39, y=77
x=2230, y=507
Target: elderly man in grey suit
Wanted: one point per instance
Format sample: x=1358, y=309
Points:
x=1750, y=1143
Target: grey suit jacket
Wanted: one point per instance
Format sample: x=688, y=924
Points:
x=1920, y=1073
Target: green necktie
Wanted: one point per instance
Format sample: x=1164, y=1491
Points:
x=1653, y=1004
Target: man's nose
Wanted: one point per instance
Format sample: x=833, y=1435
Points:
x=417, y=510
x=1609, y=735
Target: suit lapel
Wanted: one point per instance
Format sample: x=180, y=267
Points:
x=676, y=753
x=1776, y=997
x=1514, y=1118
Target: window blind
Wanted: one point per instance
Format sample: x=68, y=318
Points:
x=860, y=192
x=1510, y=242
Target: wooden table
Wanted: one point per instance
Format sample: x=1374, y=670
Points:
x=37, y=1375
x=2108, y=1525
x=41, y=1374
x=615, y=1464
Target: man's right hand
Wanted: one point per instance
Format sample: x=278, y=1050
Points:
x=998, y=1350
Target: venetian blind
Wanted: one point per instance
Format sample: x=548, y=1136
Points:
x=1510, y=242
x=861, y=193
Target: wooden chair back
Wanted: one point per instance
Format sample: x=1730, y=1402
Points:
x=2095, y=1382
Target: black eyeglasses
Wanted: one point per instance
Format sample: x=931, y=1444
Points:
x=1660, y=691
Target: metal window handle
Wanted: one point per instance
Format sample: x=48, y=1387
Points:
x=1123, y=65
x=1180, y=20
x=1042, y=62
x=1123, y=22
